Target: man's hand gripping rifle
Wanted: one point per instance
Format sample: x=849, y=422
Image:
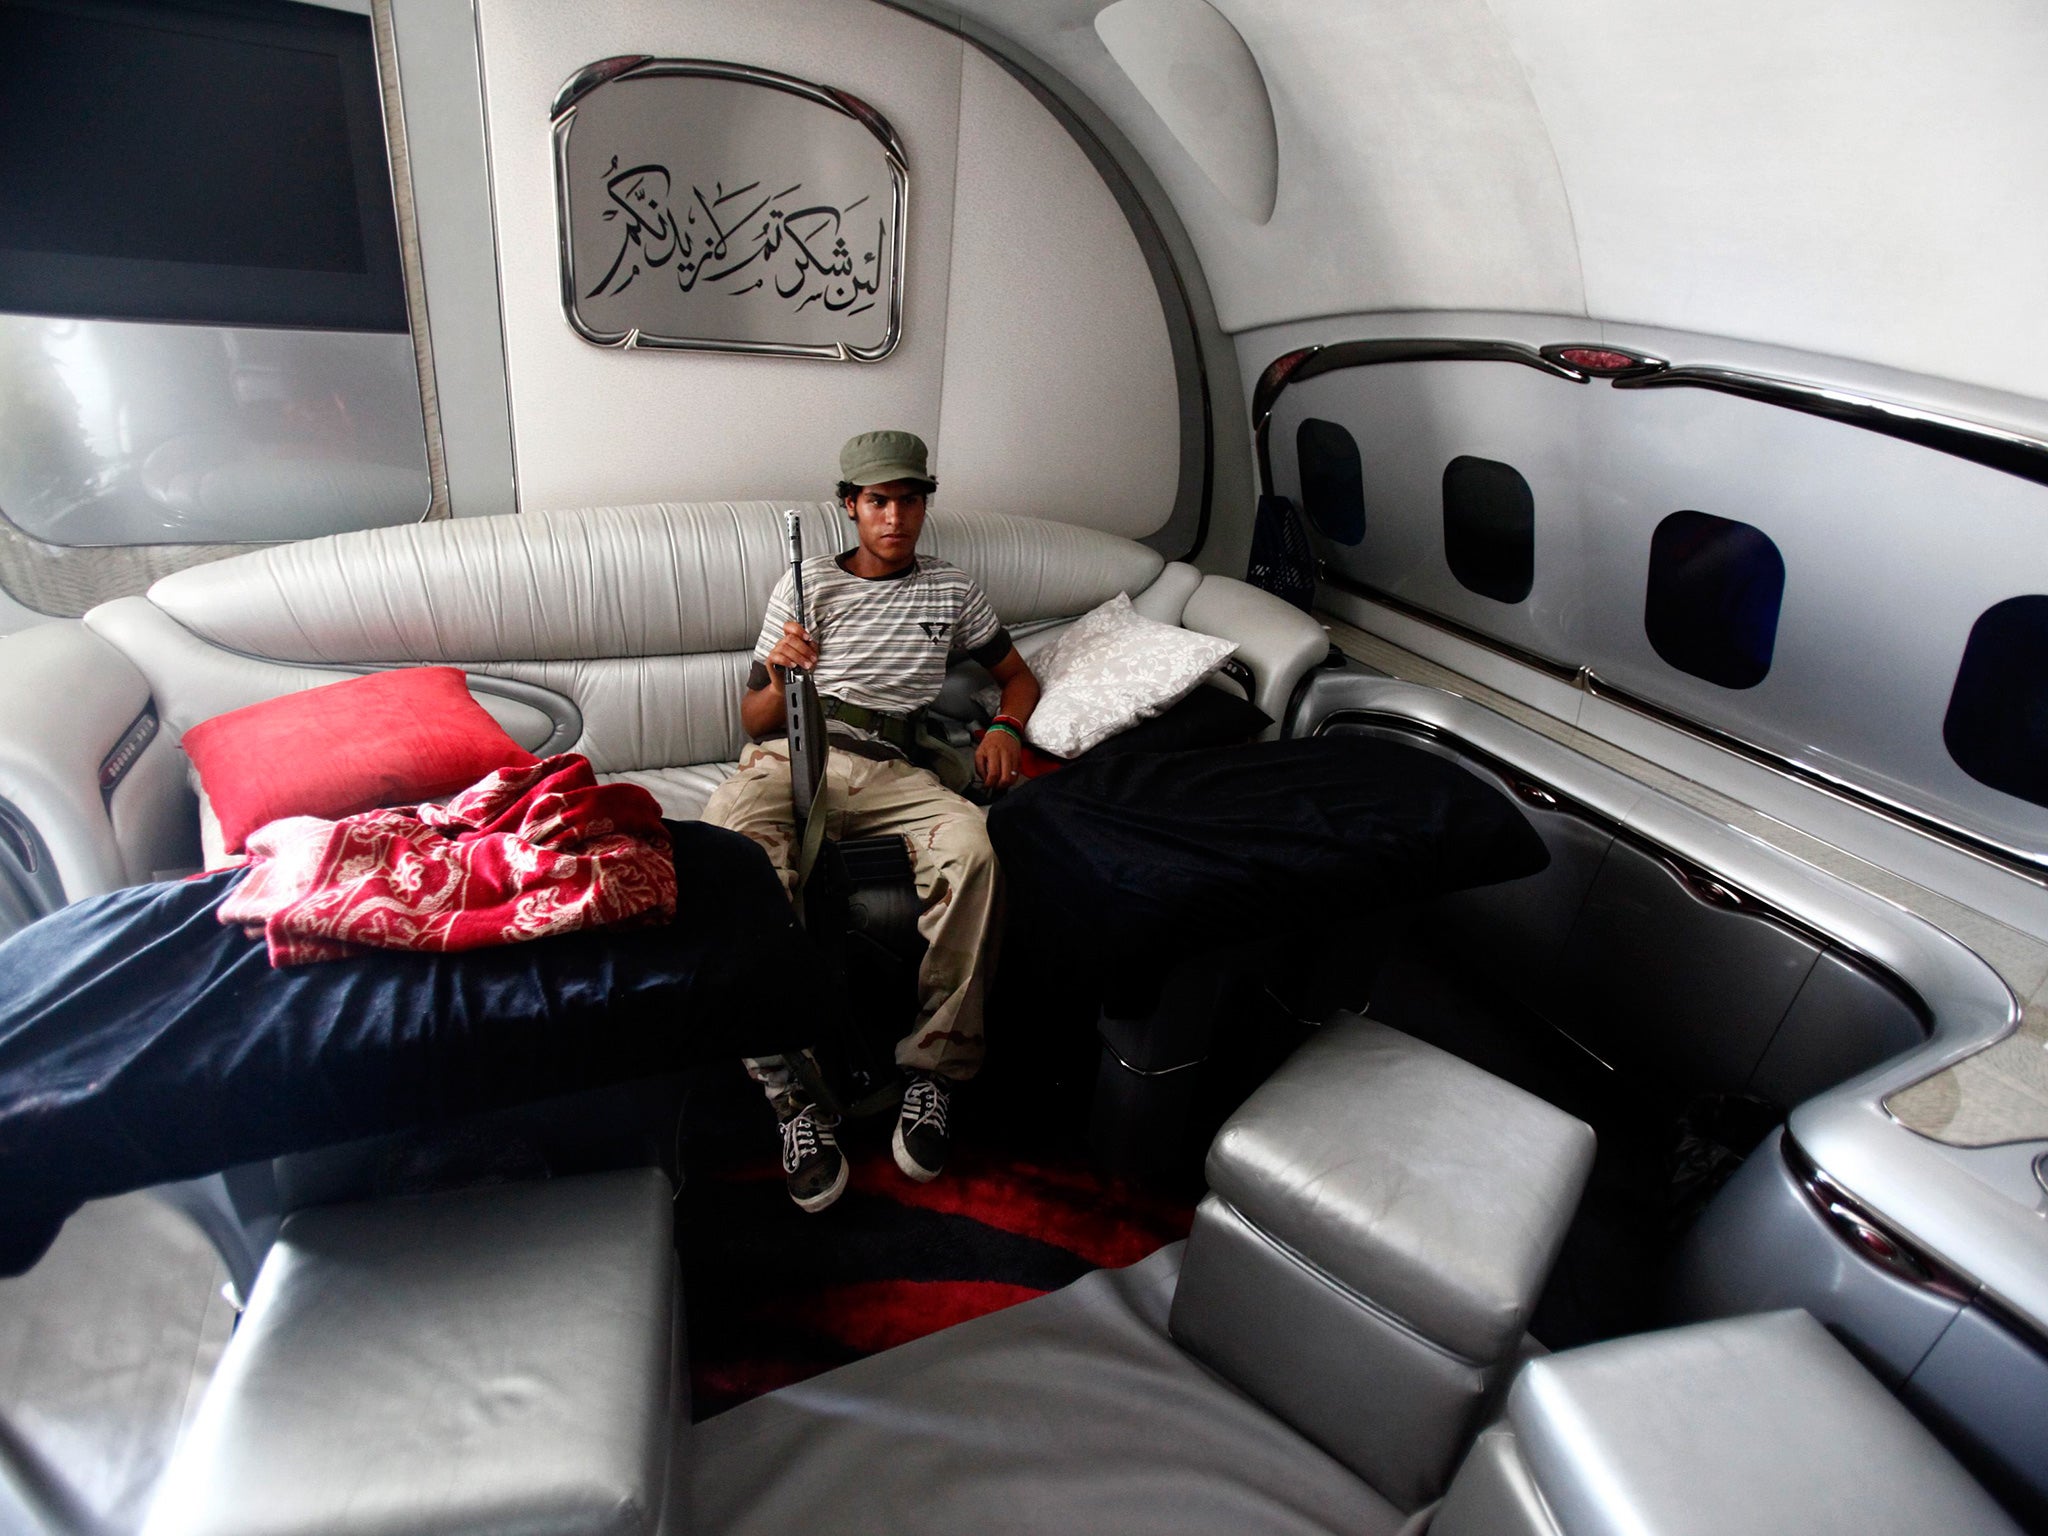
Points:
x=805, y=717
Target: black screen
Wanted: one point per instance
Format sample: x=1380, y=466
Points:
x=200, y=163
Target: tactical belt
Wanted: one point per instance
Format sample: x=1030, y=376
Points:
x=899, y=731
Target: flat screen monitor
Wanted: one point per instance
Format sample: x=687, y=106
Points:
x=220, y=162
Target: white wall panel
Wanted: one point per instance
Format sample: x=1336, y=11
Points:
x=592, y=424
x=1059, y=392
x=1032, y=332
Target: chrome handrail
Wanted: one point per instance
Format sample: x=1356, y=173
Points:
x=2011, y=452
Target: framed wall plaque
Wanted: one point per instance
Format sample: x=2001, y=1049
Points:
x=725, y=208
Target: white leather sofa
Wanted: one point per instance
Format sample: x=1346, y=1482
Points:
x=622, y=633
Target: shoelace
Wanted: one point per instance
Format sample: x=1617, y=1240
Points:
x=802, y=1137
x=924, y=1102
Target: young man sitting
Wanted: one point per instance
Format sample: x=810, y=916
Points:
x=885, y=621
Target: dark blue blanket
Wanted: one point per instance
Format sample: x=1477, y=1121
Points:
x=1125, y=866
x=142, y=1042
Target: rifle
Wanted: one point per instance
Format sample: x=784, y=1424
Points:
x=804, y=715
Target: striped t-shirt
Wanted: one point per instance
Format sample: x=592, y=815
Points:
x=884, y=641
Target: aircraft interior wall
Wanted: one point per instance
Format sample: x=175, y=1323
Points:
x=1034, y=352
x=1883, y=557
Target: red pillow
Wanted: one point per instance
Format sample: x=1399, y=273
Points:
x=391, y=738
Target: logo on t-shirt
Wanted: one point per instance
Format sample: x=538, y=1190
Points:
x=935, y=629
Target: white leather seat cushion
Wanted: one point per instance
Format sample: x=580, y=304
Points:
x=1071, y=1413
x=680, y=791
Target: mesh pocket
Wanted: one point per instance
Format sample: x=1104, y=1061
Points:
x=1282, y=562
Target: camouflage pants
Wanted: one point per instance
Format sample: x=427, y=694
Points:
x=957, y=881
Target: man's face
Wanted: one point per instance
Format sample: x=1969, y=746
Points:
x=889, y=518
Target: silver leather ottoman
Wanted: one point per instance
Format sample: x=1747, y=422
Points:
x=489, y=1360
x=1382, y=1217
x=1762, y=1425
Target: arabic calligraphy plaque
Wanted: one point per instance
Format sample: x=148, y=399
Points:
x=722, y=207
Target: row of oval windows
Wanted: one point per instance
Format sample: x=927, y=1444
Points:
x=1712, y=600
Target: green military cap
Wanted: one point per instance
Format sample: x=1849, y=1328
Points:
x=876, y=458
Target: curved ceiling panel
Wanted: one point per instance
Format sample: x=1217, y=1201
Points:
x=1850, y=177
x=1194, y=68
x=1856, y=177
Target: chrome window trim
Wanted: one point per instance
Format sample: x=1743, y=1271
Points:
x=1313, y=362
x=2012, y=453
x=562, y=115
x=2001, y=448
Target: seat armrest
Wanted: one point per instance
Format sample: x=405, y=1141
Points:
x=1166, y=600
x=67, y=698
x=1382, y=1218
x=1274, y=638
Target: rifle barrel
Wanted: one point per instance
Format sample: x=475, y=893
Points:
x=795, y=529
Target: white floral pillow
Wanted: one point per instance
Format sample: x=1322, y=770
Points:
x=1113, y=668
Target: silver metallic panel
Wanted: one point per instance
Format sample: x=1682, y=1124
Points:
x=1763, y=1245
x=1987, y=1391
x=450, y=221
x=2015, y=453
x=1891, y=552
x=120, y=433
x=1660, y=974
x=1845, y=1020
x=726, y=208
x=1916, y=1186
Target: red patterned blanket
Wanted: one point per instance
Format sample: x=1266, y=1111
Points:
x=525, y=853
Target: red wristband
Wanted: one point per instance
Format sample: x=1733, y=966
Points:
x=1010, y=720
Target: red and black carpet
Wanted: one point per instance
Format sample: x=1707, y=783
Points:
x=776, y=1296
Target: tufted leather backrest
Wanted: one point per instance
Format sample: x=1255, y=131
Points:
x=662, y=579
x=625, y=630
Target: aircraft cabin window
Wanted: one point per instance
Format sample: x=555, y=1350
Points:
x=1489, y=528
x=1997, y=723
x=1712, y=608
x=1332, y=480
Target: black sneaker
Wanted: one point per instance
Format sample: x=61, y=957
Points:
x=921, y=1136
x=811, y=1159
